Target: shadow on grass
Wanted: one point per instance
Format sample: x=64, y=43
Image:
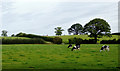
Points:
x=63, y=62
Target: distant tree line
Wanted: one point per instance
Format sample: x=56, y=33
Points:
x=96, y=28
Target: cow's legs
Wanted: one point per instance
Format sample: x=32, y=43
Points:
x=107, y=49
x=100, y=50
x=79, y=49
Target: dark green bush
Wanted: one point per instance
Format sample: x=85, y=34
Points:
x=71, y=41
x=35, y=36
x=23, y=41
x=57, y=40
x=81, y=41
x=118, y=41
x=90, y=41
x=75, y=40
x=114, y=41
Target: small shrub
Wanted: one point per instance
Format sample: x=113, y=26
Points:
x=57, y=40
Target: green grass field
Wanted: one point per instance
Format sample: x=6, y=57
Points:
x=52, y=56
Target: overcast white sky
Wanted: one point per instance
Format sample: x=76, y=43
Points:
x=42, y=16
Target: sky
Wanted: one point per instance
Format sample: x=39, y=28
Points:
x=42, y=16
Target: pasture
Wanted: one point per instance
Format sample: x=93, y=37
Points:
x=52, y=56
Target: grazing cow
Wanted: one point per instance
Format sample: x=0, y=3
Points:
x=77, y=46
x=104, y=47
x=70, y=46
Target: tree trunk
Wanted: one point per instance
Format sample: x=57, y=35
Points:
x=95, y=39
x=76, y=32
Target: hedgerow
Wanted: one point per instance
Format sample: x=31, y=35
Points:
x=23, y=41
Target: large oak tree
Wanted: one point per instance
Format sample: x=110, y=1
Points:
x=97, y=28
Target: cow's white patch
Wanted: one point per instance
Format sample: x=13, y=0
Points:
x=107, y=49
x=103, y=49
x=100, y=50
x=70, y=47
x=75, y=46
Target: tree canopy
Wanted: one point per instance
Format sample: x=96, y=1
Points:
x=97, y=28
x=76, y=29
x=4, y=33
x=58, y=31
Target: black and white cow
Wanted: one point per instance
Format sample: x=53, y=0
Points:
x=70, y=46
x=104, y=47
x=77, y=46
